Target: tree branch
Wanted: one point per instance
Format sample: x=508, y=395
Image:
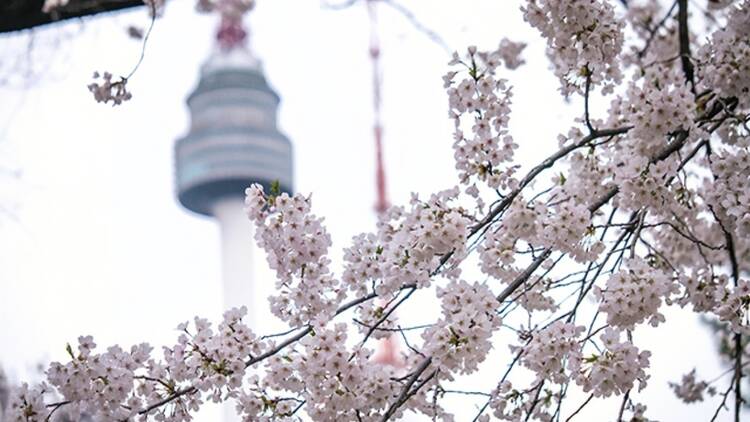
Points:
x=684, y=35
x=549, y=162
x=405, y=391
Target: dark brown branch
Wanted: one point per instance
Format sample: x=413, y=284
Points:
x=16, y=15
x=535, y=402
x=580, y=408
x=587, y=94
x=684, y=35
x=622, y=406
x=55, y=407
x=387, y=314
x=731, y=251
x=521, y=278
x=737, y=376
x=405, y=391
x=168, y=399
x=308, y=330
x=723, y=403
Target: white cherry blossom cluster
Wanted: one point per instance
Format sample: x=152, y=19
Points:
x=510, y=404
x=615, y=370
x=124, y=385
x=564, y=226
x=364, y=262
x=657, y=43
x=408, y=246
x=637, y=413
x=729, y=190
x=676, y=234
x=634, y=294
x=689, y=389
x=567, y=229
x=256, y=406
x=702, y=290
x=497, y=253
x=372, y=319
x=105, y=90
x=501, y=397
x=99, y=384
x=117, y=385
x=335, y=384
x=460, y=340
x=509, y=52
x=481, y=102
x=588, y=178
x=584, y=40
x=296, y=243
x=549, y=349
x=214, y=362
x=26, y=404
x=643, y=184
x=725, y=58
x=735, y=308
x=657, y=104
x=532, y=297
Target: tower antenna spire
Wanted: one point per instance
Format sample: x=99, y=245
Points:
x=388, y=351
x=381, y=204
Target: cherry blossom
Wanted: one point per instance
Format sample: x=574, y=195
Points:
x=107, y=90
x=546, y=352
x=297, y=245
x=690, y=390
x=615, y=370
x=634, y=295
x=583, y=38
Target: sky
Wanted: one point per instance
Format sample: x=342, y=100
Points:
x=92, y=238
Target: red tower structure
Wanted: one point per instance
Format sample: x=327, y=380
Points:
x=388, y=351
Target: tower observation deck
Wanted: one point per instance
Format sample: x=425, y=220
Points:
x=233, y=139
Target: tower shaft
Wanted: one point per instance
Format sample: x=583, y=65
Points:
x=237, y=255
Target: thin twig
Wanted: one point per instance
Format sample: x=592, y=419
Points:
x=580, y=408
x=145, y=40
x=412, y=18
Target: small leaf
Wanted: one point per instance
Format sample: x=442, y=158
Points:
x=275, y=188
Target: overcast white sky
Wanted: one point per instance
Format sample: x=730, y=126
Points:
x=97, y=243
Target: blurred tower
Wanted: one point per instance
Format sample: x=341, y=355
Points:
x=233, y=141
